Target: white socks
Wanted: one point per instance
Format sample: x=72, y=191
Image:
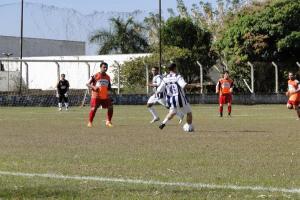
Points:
x=153, y=112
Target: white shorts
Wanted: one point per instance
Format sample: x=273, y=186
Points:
x=153, y=100
x=185, y=109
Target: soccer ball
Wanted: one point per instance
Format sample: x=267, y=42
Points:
x=188, y=127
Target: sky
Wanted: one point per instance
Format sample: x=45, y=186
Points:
x=88, y=6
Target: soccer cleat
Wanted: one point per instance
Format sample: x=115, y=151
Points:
x=221, y=114
x=67, y=108
x=161, y=126
x=109, y=124
x=154, y=120
x=90, y=125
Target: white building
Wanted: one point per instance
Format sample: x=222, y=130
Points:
x=44, y=75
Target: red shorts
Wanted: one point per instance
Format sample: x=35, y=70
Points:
x=294, y=103
x=225, y=98
x=104, y=103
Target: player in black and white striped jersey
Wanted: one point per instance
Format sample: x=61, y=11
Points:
x=158, y=97
x=173, y=84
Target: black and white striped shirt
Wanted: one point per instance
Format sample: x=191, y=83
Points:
x=157, y=80
x=173, y=84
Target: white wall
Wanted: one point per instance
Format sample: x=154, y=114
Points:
x=8, y=84
x=44, y=75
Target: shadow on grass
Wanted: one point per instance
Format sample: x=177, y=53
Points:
x=38, y=193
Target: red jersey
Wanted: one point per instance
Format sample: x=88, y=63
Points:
x=224, y=86
x=293, y=86
x=102, y=81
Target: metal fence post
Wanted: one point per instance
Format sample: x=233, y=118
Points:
x=119, y=68
x=252, y=77
x=147, y=79
x=201, y=77
x=276, y=77
x=27, y=75
x=58, y=71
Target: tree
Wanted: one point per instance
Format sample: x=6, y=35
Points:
x=125, y=37
x=264, y=33
x=183, y=34
x=133, y=72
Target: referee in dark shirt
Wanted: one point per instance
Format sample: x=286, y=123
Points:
x=62, y=92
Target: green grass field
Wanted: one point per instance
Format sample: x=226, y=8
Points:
x=257, y=146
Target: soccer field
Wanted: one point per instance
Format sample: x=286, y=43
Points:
x=46, y=154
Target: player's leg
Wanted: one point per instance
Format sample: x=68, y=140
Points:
x=172, y=112
x=94, y=106
x=221, y=102
x=189, y=116
x=289, y=105
x=179, y=114
x=66, y=100
x=297, y=109
x=229, y=104
x=110, y=111
x=60, y=98
x=152, y=100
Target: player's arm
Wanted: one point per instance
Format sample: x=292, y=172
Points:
x=90, y=84
x=218, y=87
x=298, y=88
x=153, y=85
x=192, y=85
x=296, y=91
x=231, y=87
x=161, y=87
x=68, y=86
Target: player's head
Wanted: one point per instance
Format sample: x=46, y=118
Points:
x=226, y=74
x=172, y=67
x=103, y=67
x=154, y=70
x=62, y=76
x=291, y=76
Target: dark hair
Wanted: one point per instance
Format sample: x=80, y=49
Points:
x=226, y=72
x=103, y=63
x=62, y=75
x=172, y=66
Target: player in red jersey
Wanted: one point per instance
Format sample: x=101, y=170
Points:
x=224, y=88
x=294, y=94
x=100, y=85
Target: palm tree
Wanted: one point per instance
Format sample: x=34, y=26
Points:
x=125, y=37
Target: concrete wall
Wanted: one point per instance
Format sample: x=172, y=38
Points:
x=40, y=47
x=9, y=80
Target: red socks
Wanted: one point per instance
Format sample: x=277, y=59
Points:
x=109, y=114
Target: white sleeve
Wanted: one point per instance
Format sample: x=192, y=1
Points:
x=181, y=82
x=158, y=80
x=161, y=87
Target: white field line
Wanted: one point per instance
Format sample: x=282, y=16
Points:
x=152, y=182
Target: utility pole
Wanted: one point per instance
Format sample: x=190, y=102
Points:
x=21, y=46
x=160, y=50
